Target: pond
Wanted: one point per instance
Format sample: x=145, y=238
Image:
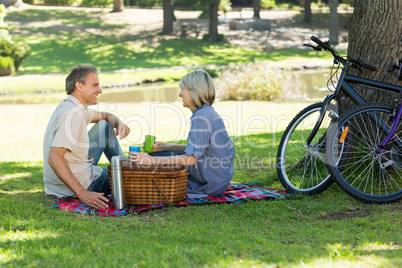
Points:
x=312, y=86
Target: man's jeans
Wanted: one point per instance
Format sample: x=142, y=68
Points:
x=102, y=139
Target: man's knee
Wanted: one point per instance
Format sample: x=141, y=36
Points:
x=105, y=127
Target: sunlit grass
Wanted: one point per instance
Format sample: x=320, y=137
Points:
x=55, y=50
x=327, y=230
x=16, y=235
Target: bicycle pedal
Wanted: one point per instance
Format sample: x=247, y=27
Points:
x=396, y=156
x=387, y=164
x=332, y=116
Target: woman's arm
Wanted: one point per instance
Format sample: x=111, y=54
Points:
x=146, y=160
x=168, y=147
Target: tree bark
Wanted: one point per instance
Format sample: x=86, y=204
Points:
x=333, y=22
x=168, y=16
x=213, y=21
x=257, y=8
x=374, y=35
x=308, y=17
x=118, y=6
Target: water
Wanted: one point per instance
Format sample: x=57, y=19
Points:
x=313, y=83
x=155, y=92
x=312, y=86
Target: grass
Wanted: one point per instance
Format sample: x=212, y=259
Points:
x=60, y=39
x=330, y=229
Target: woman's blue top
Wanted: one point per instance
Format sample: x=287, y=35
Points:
x=209, y=142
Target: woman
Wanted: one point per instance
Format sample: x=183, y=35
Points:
x=209, y=152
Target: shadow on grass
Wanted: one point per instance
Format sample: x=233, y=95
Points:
x=20, y=176
x=256, y=233
x=84, y=37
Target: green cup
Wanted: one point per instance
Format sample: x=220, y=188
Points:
x=149, y=142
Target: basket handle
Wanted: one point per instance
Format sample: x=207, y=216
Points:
x=163, y=194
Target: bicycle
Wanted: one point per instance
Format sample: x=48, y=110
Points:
x=371, y=169
x=301, y=163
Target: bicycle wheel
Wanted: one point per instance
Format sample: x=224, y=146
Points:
x=364, y=171
x=302, y=168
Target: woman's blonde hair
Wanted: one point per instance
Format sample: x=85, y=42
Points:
x=200, y=86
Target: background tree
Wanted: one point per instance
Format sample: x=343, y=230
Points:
x=257, y=8
x=168, y=17
x=374, y=35
x=308, y=16
x=333, y=22
x=212, y=11
x=213, y=20
x=118, y=6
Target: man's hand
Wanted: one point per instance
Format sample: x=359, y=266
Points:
x=93, y=199
x=122, y=130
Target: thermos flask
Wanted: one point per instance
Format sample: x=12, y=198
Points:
x=119, y=201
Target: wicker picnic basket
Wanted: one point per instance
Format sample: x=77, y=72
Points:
x=151, y=185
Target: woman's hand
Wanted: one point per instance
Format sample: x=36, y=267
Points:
x=140, y=158
x=159, y=147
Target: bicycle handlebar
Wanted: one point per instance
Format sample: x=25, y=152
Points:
x=326, y=46
x=361, y=62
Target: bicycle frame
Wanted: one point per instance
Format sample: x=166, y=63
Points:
x=393, y=128
x=343, y=86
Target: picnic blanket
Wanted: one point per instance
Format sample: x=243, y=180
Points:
x=236, y=193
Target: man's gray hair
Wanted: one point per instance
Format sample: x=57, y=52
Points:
x=78, y=74
x=200, y=86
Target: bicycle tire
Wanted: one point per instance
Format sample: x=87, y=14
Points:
x=303, y=169
x=364, y=172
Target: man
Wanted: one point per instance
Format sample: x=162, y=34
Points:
x=70, y=152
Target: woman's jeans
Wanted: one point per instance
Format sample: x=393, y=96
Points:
x=102, y=139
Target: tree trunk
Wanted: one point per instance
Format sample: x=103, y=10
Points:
x=333, y=22
x=168, y=16
x=374, y=33
x=308, y=17
x=118, y=6
x=213, y=21
x=257, y=8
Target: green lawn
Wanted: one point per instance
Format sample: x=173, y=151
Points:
x=327, y=230
x=60, y=39
x=56, y=48
x=330, y=229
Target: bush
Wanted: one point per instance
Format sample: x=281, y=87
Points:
x=143, y=3
x=268, y=4
x=59, y=2
x=6, y=66
x=221, y=37
x=99, y=3
x=255, y=81
x=18, y=52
